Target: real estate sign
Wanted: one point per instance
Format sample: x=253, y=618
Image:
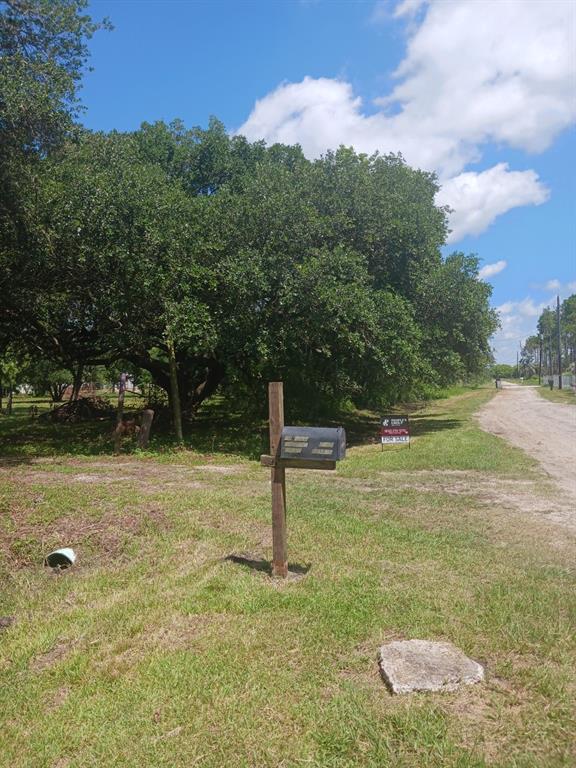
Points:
x=394, y=430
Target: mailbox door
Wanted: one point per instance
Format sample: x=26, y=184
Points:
x=312, y=443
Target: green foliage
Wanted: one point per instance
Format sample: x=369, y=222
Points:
x=503, y=371
x=257, y=263
x=253, y=261
x=10, y=367
x=42, y=56
x=46, y=377
x=454, y=310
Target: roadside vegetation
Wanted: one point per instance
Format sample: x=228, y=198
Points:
x=159, y=647
x=556, y=336
x=567, y=396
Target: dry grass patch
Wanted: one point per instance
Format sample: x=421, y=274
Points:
x=99, y=539
x=177, y=633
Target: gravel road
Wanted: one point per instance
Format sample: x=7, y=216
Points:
x=545, y=430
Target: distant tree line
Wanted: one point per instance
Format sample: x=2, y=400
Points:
x=540, y=352
x=211, y=262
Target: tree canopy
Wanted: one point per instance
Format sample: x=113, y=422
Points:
x=198, y=255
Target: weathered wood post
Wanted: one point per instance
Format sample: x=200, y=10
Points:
x=294, y=448
x=145, y=426
x=278, y=477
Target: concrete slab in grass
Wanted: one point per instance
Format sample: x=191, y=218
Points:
x=422, y=665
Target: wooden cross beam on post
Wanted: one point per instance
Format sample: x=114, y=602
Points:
x=307, y=451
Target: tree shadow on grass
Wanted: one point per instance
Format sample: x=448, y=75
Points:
x=217, y=429
x=21, y=438
x=364, y=427
x=423, y=425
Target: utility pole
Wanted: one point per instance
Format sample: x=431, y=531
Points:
x=559, y=342
x=517, y=365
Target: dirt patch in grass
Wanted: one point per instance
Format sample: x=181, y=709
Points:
x=144, y=477
x=55, y=699
x=98, y=479
x=6, y=621
x=96, y=540
x=51, y=657
x=496, y=718
x=494, y=492
x=150, y=483
x=474, y=714
x=227, y=469
x=182, y=631
x=63, y=762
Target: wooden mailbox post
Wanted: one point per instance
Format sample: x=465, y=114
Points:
x=294, y=454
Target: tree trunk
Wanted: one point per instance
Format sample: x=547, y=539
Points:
x=119, y=414
x=193, y=386
x=1, y=393
x=9, y=404
x=145, y=426
x=175, y=393
x=204, y=390
x=77, y=384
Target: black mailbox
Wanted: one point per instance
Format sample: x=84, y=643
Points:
x=313, y=443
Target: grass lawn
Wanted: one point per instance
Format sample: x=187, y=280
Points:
x=558, y=395
x=528, y=381
x=157, y=648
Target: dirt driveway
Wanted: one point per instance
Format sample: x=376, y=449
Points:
x=545, y=430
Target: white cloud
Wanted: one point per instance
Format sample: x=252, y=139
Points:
x=478, y=198
x=490, y=71
x=525, y=308
x=474, y=73
x=383, y=10
x=409, y=7
x=489, y=270
x=563, y=289
x=518, y=321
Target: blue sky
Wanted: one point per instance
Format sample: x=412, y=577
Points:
x=483, y=92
